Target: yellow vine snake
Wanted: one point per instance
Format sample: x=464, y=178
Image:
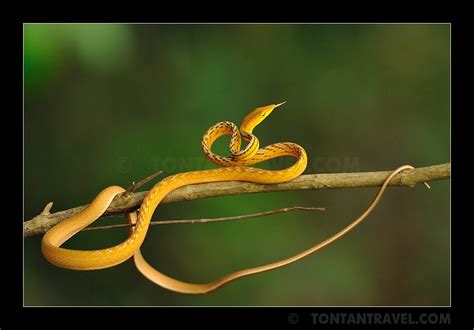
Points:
x=234, y=168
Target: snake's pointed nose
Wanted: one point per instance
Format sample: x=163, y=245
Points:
x=277, y=105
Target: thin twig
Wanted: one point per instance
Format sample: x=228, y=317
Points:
x=210, y=220
x=122, y=204
x=134, y=186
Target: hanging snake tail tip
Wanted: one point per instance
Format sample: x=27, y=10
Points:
x=409, y=167
x=277, y=105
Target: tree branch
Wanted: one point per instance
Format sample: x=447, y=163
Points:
x=122, y=204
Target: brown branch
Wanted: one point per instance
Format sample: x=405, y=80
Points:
x=210, y=220
x=122, y=204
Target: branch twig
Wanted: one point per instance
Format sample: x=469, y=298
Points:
x=121, y=204
x=209, y=220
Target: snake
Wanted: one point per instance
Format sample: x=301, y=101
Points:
x=234, y=167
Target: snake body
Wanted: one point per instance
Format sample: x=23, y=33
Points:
x=233, y=167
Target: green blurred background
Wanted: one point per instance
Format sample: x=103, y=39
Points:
x=110, y=104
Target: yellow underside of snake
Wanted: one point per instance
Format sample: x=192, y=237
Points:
x=234, y=168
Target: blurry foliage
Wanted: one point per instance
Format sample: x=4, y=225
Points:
x=48, y=47
x=109, y=104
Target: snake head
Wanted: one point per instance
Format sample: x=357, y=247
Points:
x=257, y=116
